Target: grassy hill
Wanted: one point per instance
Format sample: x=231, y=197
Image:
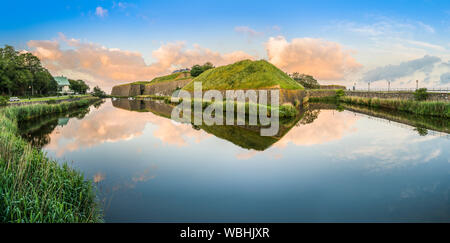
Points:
x=171, y=77
x=245, y=74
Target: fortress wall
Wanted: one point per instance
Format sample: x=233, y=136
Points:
x=128, y=90
x=286, y=96
x=165, y=88
x=397, y=95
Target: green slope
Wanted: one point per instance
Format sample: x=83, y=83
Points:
x=171, y=77
x=245, y=75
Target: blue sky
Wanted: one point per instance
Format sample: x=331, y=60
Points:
x=373, y=34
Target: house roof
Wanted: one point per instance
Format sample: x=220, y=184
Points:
x=62, y=81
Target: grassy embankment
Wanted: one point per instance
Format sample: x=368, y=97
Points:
x=34, y=188
x=25, y=100
x=245, y=75
x=428, y=108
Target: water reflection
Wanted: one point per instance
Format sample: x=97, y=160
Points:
x=325, y=165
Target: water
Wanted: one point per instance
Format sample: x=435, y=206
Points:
x=324, y=166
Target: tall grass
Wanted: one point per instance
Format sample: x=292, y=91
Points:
x=431, y=108
x=34, y=188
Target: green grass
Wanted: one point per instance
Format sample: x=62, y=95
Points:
x=245, y=75
x=171, y=77
x=48, y=98
x=34, y=188
x=430, y=108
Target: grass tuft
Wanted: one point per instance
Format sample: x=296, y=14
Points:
x=34, y=188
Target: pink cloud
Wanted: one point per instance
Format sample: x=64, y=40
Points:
x=323, y=59
x=107, y=67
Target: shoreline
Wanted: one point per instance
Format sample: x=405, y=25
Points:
x=35, y=188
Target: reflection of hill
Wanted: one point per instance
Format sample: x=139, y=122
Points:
x=244, y=136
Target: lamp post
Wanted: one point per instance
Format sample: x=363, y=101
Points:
x=389, y=86
x=417, y=84
x=369, y=87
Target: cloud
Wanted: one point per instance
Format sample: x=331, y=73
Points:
x=445, y=78
x=101, y=12
x=323, y=59
x=107, y=67
x=110, y=124
x=329, y=126
x=248, y=31
x=393, y=72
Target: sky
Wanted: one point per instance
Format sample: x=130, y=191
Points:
x=338, y=42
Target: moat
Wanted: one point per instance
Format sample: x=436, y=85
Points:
x=328, y=164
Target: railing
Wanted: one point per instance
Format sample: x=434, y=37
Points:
x=433, y=90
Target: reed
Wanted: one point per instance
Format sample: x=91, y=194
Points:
x=430, y=108
x=34, y=188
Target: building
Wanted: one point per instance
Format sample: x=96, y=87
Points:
x=63, y=85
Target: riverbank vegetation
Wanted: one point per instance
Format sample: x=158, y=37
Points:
x=21, y=73
x=418, y=106
x=34, y=188
x=430, y=108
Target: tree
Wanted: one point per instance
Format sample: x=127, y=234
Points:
x=99, y=92
x=78, y=86
x=196, y=70
x=421, y=94
x=307, y=81
x=23, y=74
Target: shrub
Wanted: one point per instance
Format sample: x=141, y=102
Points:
x=340, y=93
x=34, y=188
x=421, y=94
x=3, y=100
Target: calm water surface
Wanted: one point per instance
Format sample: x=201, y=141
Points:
x=325, y=166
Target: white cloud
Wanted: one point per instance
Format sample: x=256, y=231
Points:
x=248, y=31
x=101, y=12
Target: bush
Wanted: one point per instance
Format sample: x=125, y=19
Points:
x=421, y=94
x=340, y=93
x=3, y=100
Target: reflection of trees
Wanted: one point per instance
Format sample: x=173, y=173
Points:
x=421, y=130
x=309, y=117
x=37, y=131
x=98, y=104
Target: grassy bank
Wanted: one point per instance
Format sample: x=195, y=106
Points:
x=245, y=75
x=34, y=188
x=56, y=98
x=429, y=108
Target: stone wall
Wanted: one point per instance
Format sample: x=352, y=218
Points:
x=165, y=88
x=286, y=96
x=128, y=90
x=381, y=95
x=320, y=93
x=397, y=95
